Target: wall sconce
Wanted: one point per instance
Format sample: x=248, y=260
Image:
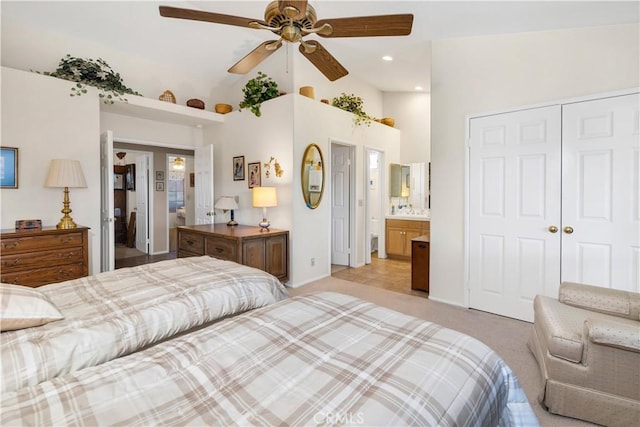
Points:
x=276, y=166
x=65, y=173
x=227, y=203
x=264, y=197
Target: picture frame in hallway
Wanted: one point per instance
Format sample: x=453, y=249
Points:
x=159, y=175
x=160, y=186
x=118, y=181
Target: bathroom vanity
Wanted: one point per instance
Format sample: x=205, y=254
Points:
x=400, y=230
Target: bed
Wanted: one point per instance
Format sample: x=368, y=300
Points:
x=115, y=313
x=318, y=359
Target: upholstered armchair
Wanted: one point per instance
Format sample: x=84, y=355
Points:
x=587, y=344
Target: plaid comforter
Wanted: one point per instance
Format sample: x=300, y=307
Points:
x=312, y=360
x=112, y=314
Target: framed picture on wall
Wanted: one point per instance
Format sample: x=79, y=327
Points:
x=8, y=167
x=159, y=186
x=255, y=177
x=159, y=175
x=238, y=168
x=130, y=177
x=118, y=181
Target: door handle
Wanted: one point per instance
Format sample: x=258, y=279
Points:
x=553, y=229
x=568, y=230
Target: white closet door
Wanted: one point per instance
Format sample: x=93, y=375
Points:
x=601, y=192
x=514, y=199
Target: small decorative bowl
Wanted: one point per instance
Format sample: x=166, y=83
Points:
x=223, y=108
x=195, y=103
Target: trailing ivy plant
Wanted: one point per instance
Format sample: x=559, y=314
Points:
x=256, y=91
x=91, y=72
x=353, y=104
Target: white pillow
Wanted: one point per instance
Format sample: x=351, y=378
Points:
x=24, y=307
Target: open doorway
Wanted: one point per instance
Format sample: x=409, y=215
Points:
x=374, y=214
x=180, y=195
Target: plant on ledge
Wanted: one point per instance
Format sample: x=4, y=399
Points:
x=353, y=104
x=258, y=90
x=91, y=72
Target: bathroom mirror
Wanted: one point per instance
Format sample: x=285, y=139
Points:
x=399, y=180
x=312, y=176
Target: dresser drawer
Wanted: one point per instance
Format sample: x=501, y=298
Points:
x=42, y=276
x=191, y=242
x=222, y=248
x=29, y=243
x=53, y=257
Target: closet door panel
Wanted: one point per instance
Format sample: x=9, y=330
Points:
x=514, y=195
x=600, y=192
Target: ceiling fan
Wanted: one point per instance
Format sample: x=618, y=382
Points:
x=294, y=20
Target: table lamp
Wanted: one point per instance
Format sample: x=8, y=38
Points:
x=227, y=203
x=64, y=173
x=264, y=197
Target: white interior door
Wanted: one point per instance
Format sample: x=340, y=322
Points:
x=203, y=169
x=142, y=202
x=514, y=201
x=601, y=192
x=107, y=237
x=340, y=201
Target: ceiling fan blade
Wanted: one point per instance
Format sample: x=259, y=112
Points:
x=199, y=15
x=368, y=26
x=255, y=57
x=293, y=9
x=323, y=61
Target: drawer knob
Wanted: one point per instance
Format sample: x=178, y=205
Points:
x=191, y=242
x=219, y=250
x=422, y=246
x=10, y=246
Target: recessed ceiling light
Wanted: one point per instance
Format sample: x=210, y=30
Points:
x=387, y=58
x=418, y=88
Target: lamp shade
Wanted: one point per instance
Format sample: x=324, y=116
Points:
x=226, y=203
x=264, y=197
x=65, y=173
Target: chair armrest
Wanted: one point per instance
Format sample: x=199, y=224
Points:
x=613, y=333
x=614, y=302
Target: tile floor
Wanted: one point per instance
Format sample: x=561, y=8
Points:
x=390, y=274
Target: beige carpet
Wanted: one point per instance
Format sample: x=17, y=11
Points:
x=507, y=337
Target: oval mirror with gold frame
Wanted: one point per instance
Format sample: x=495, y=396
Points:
x=312, y=176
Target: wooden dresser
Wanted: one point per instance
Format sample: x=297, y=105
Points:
x=244, y=244
x=38, y=257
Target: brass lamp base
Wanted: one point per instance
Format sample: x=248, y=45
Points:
x=66, y=221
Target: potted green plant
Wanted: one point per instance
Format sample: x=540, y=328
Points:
x=354, y=105
x=91, y=72
x=256, y=91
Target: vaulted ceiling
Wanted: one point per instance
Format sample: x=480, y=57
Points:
x=138, y=28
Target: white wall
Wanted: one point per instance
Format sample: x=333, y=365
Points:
x=44, y=122
x=287, y=125
x=26, y=47
x=483, y=74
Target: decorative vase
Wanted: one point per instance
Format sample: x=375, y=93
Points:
x=307, y=91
